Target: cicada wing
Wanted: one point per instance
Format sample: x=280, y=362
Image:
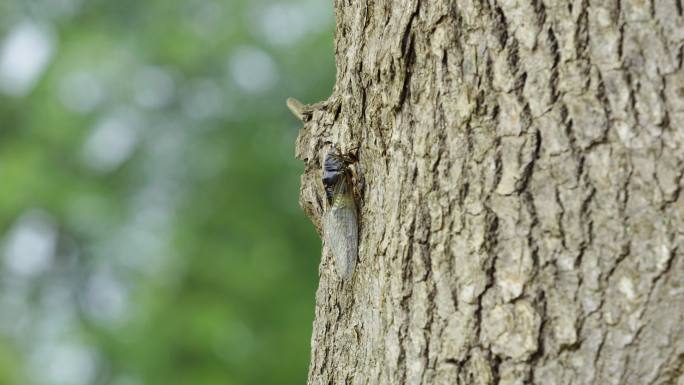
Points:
x=341, y=235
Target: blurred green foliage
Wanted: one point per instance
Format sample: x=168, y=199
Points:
x=148, y=190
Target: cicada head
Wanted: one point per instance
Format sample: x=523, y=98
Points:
x=335, y=176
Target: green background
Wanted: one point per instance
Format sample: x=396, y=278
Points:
x=149, y=225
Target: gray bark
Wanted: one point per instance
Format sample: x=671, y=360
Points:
x=522, y=220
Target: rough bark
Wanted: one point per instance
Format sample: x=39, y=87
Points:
x=522, y=219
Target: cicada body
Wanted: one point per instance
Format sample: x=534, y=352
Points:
x=340, y=225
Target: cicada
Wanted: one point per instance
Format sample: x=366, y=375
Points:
x=340, y=226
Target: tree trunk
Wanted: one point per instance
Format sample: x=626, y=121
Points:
x=521, y=218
